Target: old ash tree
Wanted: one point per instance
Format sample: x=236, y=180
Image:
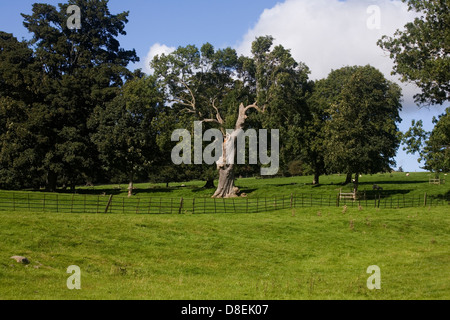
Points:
x=221, y=90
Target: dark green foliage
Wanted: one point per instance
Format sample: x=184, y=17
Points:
x=421, y=51
x=362, y=134
x=433, y=147
x=70, y=73
x=124, y=135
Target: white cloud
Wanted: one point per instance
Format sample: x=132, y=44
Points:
x=330, y=34
x=156, y=49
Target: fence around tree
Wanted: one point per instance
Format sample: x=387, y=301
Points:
x=76, y=203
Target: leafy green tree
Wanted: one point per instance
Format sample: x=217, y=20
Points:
x=282, y=86
x=437, y=148
x=325, y=93
x=19, y=73
x=200, y=84
x=362, y=134
x=414, y=138
x=313, y=151
x=124, y=135
x=433, y=147
x=421, y=52
x=79, y=70
x=219, y=88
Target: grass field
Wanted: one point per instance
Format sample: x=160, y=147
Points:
x=416, y=183
x=294, y=254
x=301, y=254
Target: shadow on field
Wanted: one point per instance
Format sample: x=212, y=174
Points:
x=247, y=190
x=380, y=183
x=384, y=194
x=95, y=192
x=445, y=196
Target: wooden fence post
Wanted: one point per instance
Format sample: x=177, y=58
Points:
x=137, y=208
x=108, y=205
x=425, y=200
x=181, y=206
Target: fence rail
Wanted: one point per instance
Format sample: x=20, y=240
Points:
x=71, y=203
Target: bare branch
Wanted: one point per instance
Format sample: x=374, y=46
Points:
x=255, y=106
x=211, y=120
x=188, y=110
x=192, y=102
x=218, y=116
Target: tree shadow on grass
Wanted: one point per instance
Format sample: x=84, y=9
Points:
x=287, y=184
x=380, y=183
x=247, y=190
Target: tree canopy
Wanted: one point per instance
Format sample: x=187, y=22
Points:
x=421, y=51
x=433, y=147
x=361, y=134
x=72, y=112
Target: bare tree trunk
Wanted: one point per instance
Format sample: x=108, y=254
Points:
x=316, y=178
x=348, y=179
x=209, y=184
x=356, y=182
x=225, y=165
x=226, y=187
x=52, y=181
x=130, y=189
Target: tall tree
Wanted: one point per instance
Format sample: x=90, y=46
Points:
x=362, y=134
x=19, y=73
x=200, y=83
x=124, y=135
x=282, y=86
x=79, y=70
x=421, y=51
x=433, y=147
x=220, y=89
x=313, y=151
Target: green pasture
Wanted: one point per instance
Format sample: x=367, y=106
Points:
x=289, y=254
x=298, y=253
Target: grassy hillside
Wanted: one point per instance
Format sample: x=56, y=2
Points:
x=416, y=183
x=263, y=195
x=289, y=254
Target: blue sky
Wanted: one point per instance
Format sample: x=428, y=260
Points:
x=325, y=34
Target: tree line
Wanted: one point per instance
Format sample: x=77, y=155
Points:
x=72, y=113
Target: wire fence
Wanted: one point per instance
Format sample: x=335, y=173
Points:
x=74, y=203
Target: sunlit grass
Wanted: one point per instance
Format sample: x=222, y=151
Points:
x=315, y=253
